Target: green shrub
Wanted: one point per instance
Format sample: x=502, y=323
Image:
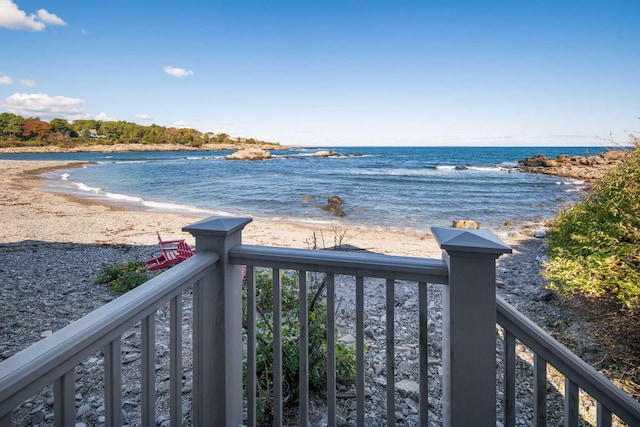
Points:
x=317, y=309
x=124, y=277
x=594, y=247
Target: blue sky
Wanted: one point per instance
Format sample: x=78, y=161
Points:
x=333, y=73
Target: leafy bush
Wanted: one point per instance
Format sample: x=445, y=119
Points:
x=594, y=247
x=122, y=278
x=317, y=308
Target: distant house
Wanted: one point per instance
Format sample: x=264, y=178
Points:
x=92, y=134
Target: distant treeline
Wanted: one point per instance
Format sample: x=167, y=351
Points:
x=16, y=130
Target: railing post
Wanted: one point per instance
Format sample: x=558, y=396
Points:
x=217, y=327
x=469, y=326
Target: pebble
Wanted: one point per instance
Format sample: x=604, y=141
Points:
x=49, y=285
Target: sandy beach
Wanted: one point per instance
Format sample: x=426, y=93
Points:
x=30, y=212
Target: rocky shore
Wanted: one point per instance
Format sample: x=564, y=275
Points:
x=590, y=169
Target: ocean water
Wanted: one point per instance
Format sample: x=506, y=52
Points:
x=408, y=188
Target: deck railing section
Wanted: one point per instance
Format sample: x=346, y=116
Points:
x=332, y=263
x=578, y=376
x=54, y=359
x=470, y=315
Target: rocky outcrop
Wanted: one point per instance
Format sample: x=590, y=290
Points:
x=324, y=153
x=587, y=168
x=334, y=204
x=249, y=154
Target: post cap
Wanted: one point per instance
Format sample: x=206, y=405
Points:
x=217, y=226
x=475, y=241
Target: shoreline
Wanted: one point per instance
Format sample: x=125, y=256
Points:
x=33, y=213
x=120, y=148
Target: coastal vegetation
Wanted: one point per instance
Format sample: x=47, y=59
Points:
x=317, y=359
x=18, y=131
x=594, y=261
x=594, y=246
x=121, y=278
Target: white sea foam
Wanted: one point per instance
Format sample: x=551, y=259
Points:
x=65, y=176
x=485, y=168
x=445, y=167
x=576, y=182
x=174, y=207
x=84, y=187
x=509, y=165
x=204, y=157
x=123, y=197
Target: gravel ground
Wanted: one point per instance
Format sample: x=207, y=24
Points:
x=45, y=286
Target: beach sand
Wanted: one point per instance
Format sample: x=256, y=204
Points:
x=30, y=212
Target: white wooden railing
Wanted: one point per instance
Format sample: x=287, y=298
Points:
x=470, y=314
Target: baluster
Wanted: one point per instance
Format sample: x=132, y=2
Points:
x=303, y=360
x=509, y=379
x=113, y=383
x=604, y=416
x=540, y=391
x=423, y=353
x=360, y=367
x=331, y=350
x=277, y=347
x=251, y=347
x=390, y=354
x=64, y=399
x=175, y=360
x=148, y=337
x=571, y=393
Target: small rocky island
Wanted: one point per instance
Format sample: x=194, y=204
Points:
x=586, y=168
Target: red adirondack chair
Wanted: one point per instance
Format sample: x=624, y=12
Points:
x=173, y=252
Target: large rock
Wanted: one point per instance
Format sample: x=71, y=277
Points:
x=335, y=208
x=324, y=153
x=334, y=199
x=465, y=223
x=249, y=154
x=591, y=168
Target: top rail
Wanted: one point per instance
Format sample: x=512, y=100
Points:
x=347, y=263
x=570, y=365
x=33, y=368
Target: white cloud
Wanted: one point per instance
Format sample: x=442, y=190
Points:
x=143, y=117
x=13, y=18
x=44, y=106
x=105, y=117
x=6, y=80
x=177, y=72
x=181, y=124
x=27, y=82
x=50, y=18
